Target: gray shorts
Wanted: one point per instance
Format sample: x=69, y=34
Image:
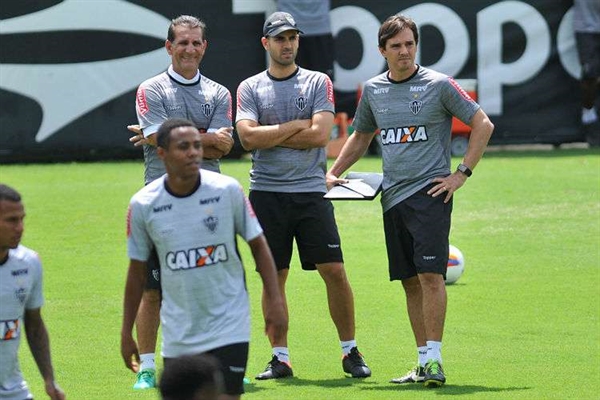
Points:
x=588, y=47
x=306, y=217
x=417, y=235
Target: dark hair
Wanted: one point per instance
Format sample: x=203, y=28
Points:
x=395, y=24
x=189, y=21
x=163, y=136
x=184, y=376
x=9, y=194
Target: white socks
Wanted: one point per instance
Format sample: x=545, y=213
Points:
x=147, y=361
x=588, y=116
x=434, y=351
x=282, y=354
x=422, y=350
x=347, y=346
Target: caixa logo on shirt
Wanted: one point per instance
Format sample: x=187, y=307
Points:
x=196, y=258
x=405, y=134
x=10, y=329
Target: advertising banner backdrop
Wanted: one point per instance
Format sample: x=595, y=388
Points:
x=69, y=69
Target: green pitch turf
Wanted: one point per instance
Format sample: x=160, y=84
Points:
x=523, y=320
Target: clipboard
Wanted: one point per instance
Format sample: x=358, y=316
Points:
x=360, y=186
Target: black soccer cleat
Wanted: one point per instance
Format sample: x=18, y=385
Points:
x=354, y=364
x=434, y=374
x=276, y=370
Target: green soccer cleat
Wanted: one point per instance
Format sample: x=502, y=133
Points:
x=415, y=375
x=434, y=374
x=145, y=380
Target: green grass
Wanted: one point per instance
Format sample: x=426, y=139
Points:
x=523, y=321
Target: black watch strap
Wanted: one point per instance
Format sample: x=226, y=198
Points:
x=464, y=169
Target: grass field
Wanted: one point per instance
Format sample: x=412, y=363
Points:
x=523, y=321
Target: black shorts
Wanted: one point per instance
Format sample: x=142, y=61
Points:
x=153, y=272
x=317, y=52
x=306, y=217
x=233, y=359
x=588, y=47
x=416, y=235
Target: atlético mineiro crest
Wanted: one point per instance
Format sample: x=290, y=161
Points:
x=301, y=103
x=415, y=106
x=207, y=109
x=21, y=294
x=211, y=223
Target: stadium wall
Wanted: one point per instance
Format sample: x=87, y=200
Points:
x=69, y=69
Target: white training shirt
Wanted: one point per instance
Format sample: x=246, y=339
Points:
x=20, y=289
x=205, y=302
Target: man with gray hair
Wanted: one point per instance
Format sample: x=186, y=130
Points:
x=180, y=92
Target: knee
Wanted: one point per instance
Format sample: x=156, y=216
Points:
x=333, y=273
x=430, y=281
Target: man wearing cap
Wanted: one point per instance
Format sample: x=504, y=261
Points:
x=284, y=117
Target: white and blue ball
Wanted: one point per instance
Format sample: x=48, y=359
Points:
x=456, y=265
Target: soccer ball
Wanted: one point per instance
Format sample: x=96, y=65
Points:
x=456, y=265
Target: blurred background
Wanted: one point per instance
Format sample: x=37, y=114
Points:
x=69, y=69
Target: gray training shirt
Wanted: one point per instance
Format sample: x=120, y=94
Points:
x=202, y=101
x=415, y=119
x=271, y=101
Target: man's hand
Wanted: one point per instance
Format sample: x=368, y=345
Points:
x=448, y=185
x=138, y=139
x=53, y=391
x=217, y=144
x=130, y=353
x=332, y=180
x=224, y=139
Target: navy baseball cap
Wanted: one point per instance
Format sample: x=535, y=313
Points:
x=279, y=22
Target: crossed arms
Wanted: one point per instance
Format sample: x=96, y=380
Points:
x=295, y=134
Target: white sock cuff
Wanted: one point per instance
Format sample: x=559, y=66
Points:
x=282, y=354
x=347, y=346
x=147, y=361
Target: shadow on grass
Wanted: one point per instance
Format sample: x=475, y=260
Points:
x=368, y=385
x=323, y=383
x=446, y=390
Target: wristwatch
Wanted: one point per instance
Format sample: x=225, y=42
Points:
x=464, y=169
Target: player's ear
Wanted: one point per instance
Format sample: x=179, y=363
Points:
x=169, y=47
x=160, y=152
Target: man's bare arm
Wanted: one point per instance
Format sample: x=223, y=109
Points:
x=317, y=135
x=134, y=287
x=39, y=343
x=254, y=136
x=217, y=144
